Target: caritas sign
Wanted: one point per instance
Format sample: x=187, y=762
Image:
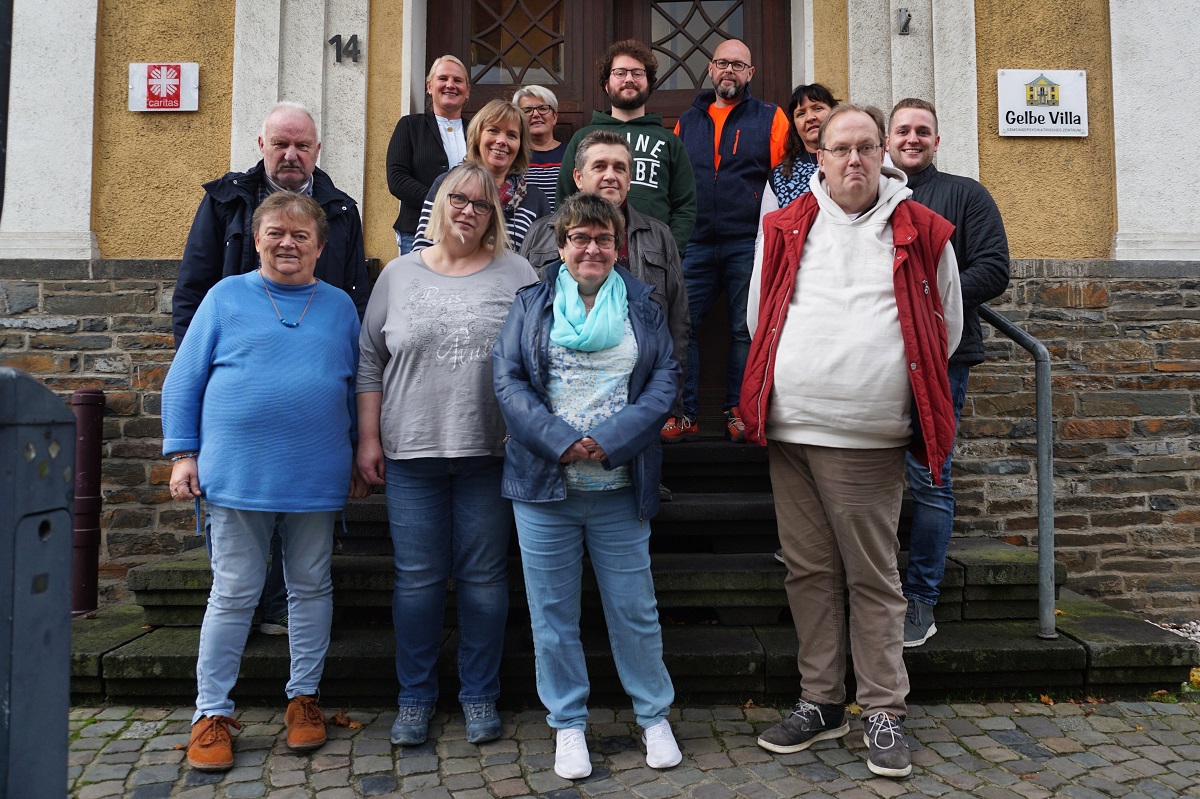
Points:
x=164, y=87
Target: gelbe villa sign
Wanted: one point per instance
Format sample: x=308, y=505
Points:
x=1042, y=102
x=164, y=87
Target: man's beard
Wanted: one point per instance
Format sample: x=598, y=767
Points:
x=629, y=103
x=728, y=91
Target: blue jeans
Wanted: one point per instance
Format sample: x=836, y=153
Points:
x=448, y=520
x=405, y=242
x=933, y=510
x=240, y=540
x=552, y=536
x=707, y=269
x=273, y=602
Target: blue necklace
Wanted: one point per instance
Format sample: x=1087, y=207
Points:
x=285, y=322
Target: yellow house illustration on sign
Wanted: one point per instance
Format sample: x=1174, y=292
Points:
x=1041, y=91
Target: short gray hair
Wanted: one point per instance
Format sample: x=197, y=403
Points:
x=538, y=93
x=845, y=108
x=288, y=105
x=600, y=136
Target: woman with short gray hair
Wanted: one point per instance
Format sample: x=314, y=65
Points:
x=540, y=107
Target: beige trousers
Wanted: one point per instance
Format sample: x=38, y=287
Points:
x=838, y=510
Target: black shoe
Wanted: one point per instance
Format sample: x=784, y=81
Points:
x=808, y=724
x=887, y=751
x=918, y=623
x=664, y=493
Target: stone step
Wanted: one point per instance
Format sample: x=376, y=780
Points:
x=1099, y=651
x=984, y=579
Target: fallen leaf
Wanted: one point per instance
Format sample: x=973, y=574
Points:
x=1029, y=776
x=180, y=746
x=1159, y=693
x=1195, y=677
x=1139, y=727
x=854, y=709
x=1087, y=711
x=342, y=720
x=1045, y=699
x=749, y=703
x=1057, y=612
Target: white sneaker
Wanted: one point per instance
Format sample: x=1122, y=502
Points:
x=661, y=749
x=571, y=758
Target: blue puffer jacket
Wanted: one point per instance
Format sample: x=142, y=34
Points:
x=537, y=438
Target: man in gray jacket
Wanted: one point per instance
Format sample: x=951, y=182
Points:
x=603, y=164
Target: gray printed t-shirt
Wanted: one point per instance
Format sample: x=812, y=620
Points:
x=426, y=343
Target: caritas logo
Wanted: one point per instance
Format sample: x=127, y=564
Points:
x=162, y=85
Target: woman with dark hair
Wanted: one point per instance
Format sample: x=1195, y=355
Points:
x=258, y=417
x=426, y=145
x=498, y=139
x=429, y=430
x=585, y=379
x=809, y=105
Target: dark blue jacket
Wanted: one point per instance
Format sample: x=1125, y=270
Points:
x=728, y=199
x=221, y=244
x=538, y=438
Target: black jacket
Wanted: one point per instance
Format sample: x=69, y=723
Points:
x=221, y=244
x=979, y=243
x=415, y=157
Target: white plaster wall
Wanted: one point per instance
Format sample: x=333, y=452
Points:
x=1157, y=160
x=871, y=34
x=282, y=53
x=912, y=55
x=955, y=90
x=48, y=187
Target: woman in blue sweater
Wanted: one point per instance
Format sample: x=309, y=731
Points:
x=275, y=339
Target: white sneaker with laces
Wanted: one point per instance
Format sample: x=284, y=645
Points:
x=571, y=758
x=661, y=749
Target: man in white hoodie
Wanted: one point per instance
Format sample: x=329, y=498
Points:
x=854, y=308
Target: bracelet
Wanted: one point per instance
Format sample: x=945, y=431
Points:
x=183, y=456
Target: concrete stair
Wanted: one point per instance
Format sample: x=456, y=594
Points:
x=726, y=624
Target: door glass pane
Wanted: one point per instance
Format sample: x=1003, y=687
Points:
x=517, y=42
x=685, y=34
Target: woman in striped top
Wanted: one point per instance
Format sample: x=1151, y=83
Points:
x=540, y=107
x=498, y=139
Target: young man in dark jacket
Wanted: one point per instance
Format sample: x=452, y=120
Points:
x=982, y=251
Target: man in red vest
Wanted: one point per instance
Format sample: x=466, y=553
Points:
x=854, y=308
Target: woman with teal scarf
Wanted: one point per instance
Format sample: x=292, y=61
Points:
x=585, y=379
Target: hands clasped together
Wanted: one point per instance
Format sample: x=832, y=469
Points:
x=585, y=449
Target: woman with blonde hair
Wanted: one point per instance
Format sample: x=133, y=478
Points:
x=498, y=140
x=431, y=431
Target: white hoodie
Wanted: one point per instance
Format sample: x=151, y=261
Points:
x=841, y=375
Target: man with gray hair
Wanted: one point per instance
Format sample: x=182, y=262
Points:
x=221, y=244
x=540, y=107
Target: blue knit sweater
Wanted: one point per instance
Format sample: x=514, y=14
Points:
x=269, y=408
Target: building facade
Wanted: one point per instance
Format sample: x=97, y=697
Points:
x=1104, y=229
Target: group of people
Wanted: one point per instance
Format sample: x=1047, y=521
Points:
x=531, y=348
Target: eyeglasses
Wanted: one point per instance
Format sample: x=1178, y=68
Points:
x=530, y=110
x=736, y=66
x=842, y=151
x=461, y=201
x=605, y=241
x=620, y=73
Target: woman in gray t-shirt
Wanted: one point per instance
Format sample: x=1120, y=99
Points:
x=430, y=430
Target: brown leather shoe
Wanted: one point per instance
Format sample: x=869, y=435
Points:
x=211, y=745
x=305, y=724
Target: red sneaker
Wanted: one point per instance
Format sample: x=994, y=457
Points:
x=734, y=427
x=679, y=428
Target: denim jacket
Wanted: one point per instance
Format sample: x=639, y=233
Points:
x=537, y=437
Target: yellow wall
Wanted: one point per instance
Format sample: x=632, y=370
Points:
x=831, y=46
x=1057, y=195
x=383, y=109
x=149, y=166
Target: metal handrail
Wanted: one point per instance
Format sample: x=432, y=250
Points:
x=1045, y=465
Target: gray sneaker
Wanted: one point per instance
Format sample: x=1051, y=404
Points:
x=808, y=724
x=918, y=623
x=411, y=726
x=887, y=751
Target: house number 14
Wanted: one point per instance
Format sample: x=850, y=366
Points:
x=347, y=49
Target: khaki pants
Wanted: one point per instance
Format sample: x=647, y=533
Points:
x=838, y=510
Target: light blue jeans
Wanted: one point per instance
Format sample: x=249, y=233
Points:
x=240, y=540
x=552, y=536
x=448, y=519
x=933, y=510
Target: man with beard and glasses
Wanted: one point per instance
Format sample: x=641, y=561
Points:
x=661, y=185
x=733, y=141
x=221, y=244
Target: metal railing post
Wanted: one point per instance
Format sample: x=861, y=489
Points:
x=88, y=406
x=1045, y=464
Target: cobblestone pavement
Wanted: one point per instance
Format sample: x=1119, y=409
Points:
x=995, y=751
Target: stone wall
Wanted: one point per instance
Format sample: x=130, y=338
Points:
x=1124, y=337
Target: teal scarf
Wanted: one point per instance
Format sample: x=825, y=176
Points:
x=575, y=328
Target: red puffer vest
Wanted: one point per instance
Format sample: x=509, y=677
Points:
x=919, y=236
